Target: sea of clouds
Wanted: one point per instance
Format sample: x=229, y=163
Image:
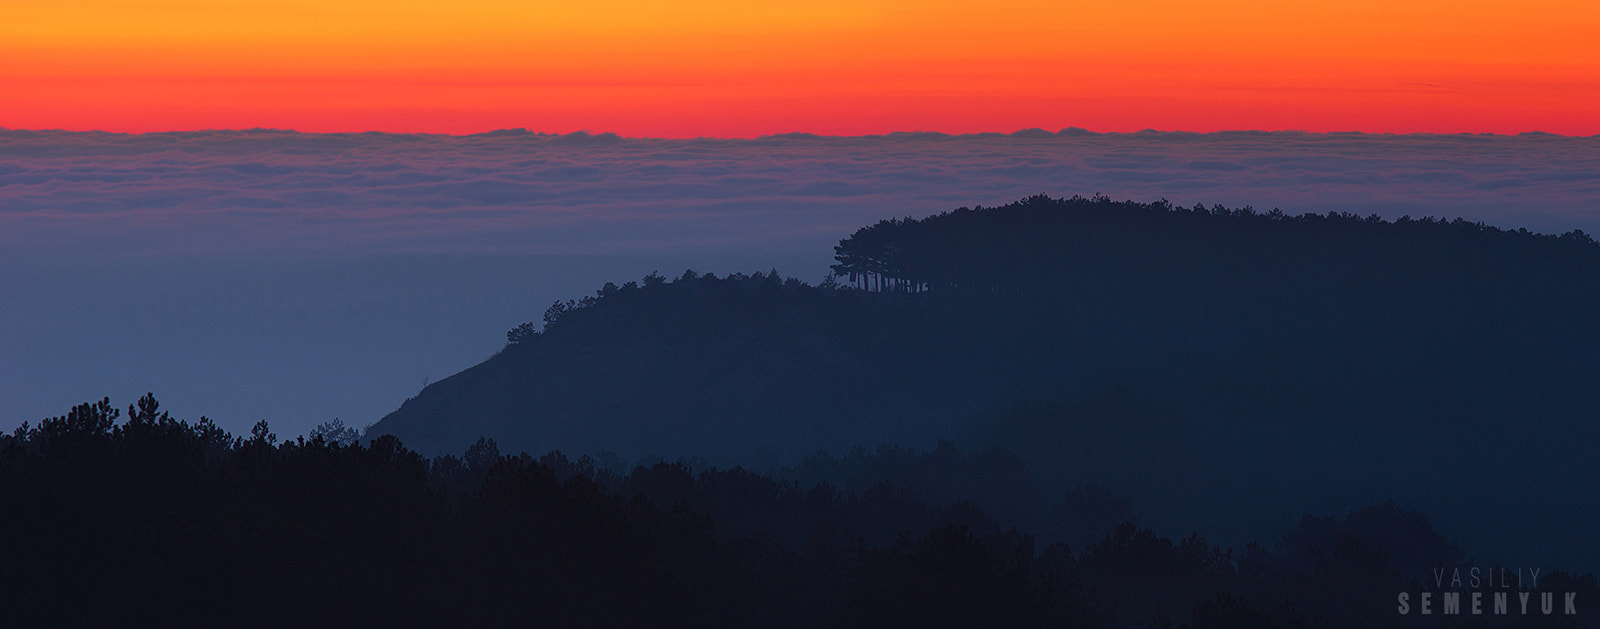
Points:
x=516, y=192
x=300, y=277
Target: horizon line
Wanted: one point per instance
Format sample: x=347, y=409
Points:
x=1024, y=133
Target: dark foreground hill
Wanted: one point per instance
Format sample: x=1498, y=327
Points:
x=1207, y=362
x=157, y=522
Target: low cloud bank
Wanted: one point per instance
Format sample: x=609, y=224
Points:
x=516, y=192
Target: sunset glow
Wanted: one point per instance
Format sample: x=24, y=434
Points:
x=717, y=68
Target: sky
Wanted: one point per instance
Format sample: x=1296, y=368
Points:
x=717, y=68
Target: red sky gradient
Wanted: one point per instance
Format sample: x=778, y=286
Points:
x=727, y=69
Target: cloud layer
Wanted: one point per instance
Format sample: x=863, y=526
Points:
x=526, y=193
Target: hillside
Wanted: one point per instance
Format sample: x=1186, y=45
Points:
x=736, y=366
x=1205, y=361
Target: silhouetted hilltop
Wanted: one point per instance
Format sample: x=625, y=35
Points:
x=1031, y=300
x=1207, y=362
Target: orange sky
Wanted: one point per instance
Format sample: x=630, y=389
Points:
x=739, y=69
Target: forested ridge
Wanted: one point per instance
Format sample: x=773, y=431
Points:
x=149, y=520
x=1225, y=368
x=1039, y=242
x=929, y=321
